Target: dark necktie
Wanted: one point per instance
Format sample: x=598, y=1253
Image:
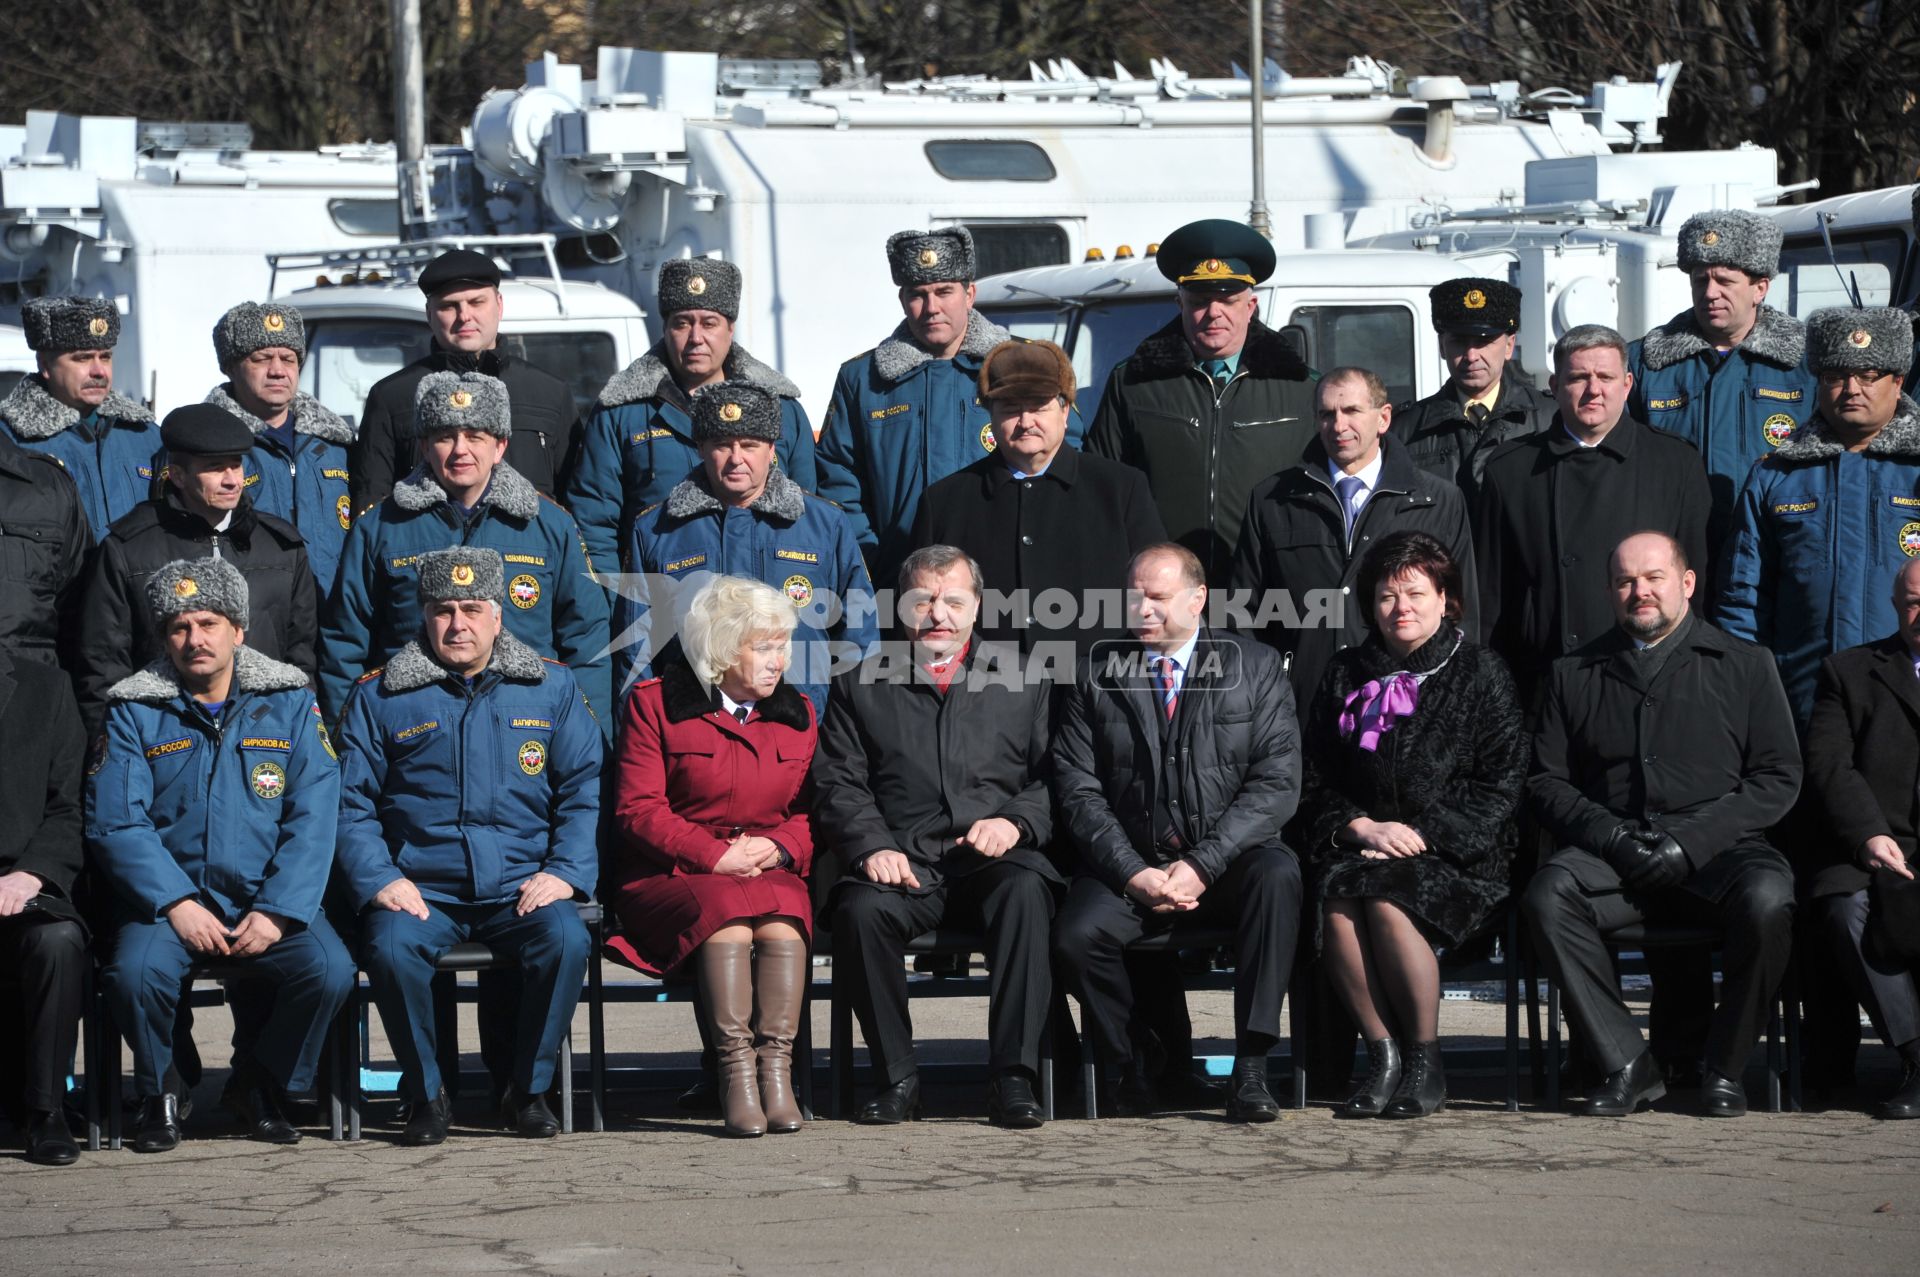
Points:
x=740, y=712
x=1169, y=690
x=1478, y=413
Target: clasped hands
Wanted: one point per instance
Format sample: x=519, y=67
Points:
x=1175, y=889
x=1645, y=859
x=201, y=930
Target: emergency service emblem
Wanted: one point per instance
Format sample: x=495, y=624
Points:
x=1710, y=238
x=462, y=574
x=1860, y=339
x=460, y=399
x=269, y=780
x=273, y=321
x=800, y=590
x=1910, y=540
x=928, y=257
x=533, y=758
x=697, y=285
x=729, y=412
x=344, y=509
x=986, y=437
x=524, y=591
x=185, y=588
x=1777, y=429
x=97, y=326
x=1474, y=300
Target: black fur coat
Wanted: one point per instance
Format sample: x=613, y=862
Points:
x=1453, y=770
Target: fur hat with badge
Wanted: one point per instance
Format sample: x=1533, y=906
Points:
x=931, y=257
x=462, y=401
x=698, y=283
x=462, y=572
x=198, y=585
x=251, y=326
x=1026, y=371
x=735, y=410
x=56, y=325
x=1475, y=307
x=1873, y=339
x=1731, y=237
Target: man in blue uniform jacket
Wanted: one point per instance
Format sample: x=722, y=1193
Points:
x=738, y=514
x=469, y=810
x=464, y=493
x=212, y=801
x=907, y=414
x=639, y=441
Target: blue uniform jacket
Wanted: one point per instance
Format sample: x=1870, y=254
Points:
x=308, y=488
x=553, y=604
x=799, y=544
x=238, y=813
x=639, y=443
x=112, y=454
x=899, y=422
x=1819, y=534
x=468, y=790
x=1736, y=408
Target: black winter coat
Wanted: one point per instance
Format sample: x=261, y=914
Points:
x=1454, y=770
x=1551, y=513
x=1706, y=752
x=903, y=766
x=44, y=543
x=1203, y=451
x=1863, y=763
x=1443, y=440
x=117, y=634
x=1237, y=758
x=1295, y=540
x=40, y=805
x=1074, y=528
x=545, y=423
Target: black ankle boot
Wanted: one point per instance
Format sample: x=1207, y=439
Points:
x=1383, y=1079
x=1423, y=1083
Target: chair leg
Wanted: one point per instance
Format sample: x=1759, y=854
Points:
x=840, y=1055
x=90, y=1044
x=1774, y=1044
x=1513, y=1017
x=566, y=1081
x=597, y=1041
x=1796, y=1062
x=1089, y=1070
x=337, y=1074
x=1553, y=1046
x=1536, y=1072
x=803, y=1054
x=1046, y=1070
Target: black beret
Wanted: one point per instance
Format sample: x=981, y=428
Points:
x=205, y=430
x=1475, y=307
x=460, y=266
x=1215, y=252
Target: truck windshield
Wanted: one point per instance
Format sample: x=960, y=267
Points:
x=1870, y=262
x=345, y=357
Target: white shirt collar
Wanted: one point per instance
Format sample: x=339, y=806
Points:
x=728, y=705
x=1368, y=475
x=1183, y=656
x=1576, y=438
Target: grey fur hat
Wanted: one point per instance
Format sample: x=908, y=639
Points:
x=735, y=410
x=462, y=401
x=1731, y=237
x=252, y=326
x=56, y=325
x=1877, y=338
x=931, y=257
x=198, y=585
x=462, y=572
x=698, y=283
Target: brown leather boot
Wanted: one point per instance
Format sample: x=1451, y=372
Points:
x=779, y=991
x=726, y=985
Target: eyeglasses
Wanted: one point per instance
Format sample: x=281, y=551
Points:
x=1867, y=377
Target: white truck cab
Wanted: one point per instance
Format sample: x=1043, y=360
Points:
x=16, y=360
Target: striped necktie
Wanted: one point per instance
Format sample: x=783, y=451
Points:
x=1169, y=685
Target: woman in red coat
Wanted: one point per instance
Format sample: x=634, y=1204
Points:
x=714, y=840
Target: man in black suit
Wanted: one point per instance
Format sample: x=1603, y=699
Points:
x=1665, y=752
x=1863, y=752
x=1176, y=763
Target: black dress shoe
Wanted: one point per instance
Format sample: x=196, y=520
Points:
x=531, y=1116
x=1186, y=1089
x=1423, y=1083
x=427, y=1123
x=1721, y=1096
x=1905, y=1100
x=895, y=1104
x=1248, y=1099
x=50, y=1142
x=1012, y=1104
x=253, y=1098
x=1383, y=1078
x=1132, y=1094
x=1625, y=1090
x=158, y=1130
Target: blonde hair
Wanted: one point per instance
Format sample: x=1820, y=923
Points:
x=724, y=614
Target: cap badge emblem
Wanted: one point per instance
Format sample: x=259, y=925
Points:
x=98, y=326
x=461, y=399
x=273, y=321
x=462, y=574
x=729, y=412
x=1474, y=300
x=697, y=285
x=1860, y=339
x=185, y=588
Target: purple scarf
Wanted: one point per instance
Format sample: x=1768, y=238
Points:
x=1382, y=703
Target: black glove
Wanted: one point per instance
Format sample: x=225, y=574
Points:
x=1662, y=864
x=1624, y=850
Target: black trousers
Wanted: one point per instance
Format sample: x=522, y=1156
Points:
x=1576, y=899
x=1888, y=994
x=872, y=925
x=1258, y=896
x=45, y=960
